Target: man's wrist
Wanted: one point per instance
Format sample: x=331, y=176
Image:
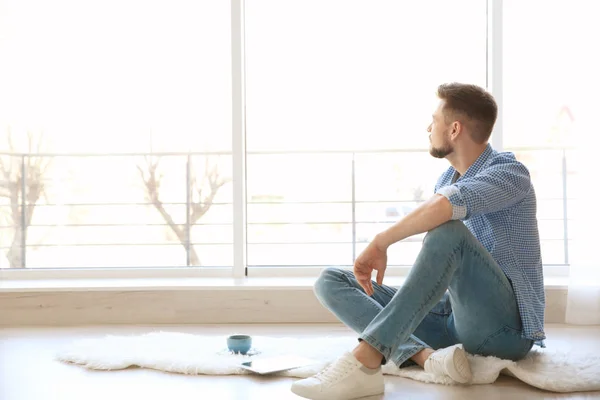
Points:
x=382, y=240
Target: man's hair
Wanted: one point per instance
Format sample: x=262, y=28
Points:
x=474, y=103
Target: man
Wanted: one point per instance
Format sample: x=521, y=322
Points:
x=477, y=283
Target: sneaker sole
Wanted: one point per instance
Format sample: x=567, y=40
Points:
x=458, y=366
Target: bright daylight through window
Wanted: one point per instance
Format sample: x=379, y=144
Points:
x=116, y=125
x=548, y=104
x=101, y=89
x=357, y=79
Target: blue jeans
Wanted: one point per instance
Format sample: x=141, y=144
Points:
x=454, y=293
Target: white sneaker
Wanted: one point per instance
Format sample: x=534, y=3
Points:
x=451, y=361
x=344, y=379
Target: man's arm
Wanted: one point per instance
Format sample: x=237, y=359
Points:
x=434, y=212
x=431, y=214
x=497, y=188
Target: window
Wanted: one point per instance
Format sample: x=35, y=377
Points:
x=88, y=89
x=550, y=94
x=338, y=83
x=116, y=125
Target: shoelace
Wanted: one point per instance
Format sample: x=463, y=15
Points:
x=335, y=371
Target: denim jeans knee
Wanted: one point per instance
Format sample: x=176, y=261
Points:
x=452, y=228
x=323, y=285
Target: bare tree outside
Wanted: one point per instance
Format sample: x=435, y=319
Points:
x=201, y=194
x=21, y=187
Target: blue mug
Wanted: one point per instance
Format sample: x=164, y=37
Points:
x=239, y=343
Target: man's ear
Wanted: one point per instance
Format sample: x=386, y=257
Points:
x=457, y=128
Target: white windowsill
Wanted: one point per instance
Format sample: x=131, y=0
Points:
x=196, y=283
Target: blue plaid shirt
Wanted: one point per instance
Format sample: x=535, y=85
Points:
x=496, y=201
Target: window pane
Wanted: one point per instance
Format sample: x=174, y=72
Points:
x=264, y=213
x=407, y=177
x=553, y=252
x=549, y=71
x=382, y=211
x=8, y=242
x=151, y=255
x=299, y=209
x=550, y=90
x=367, y=84
x=282, y=178
x=117, y=75
x=299, y=233
x=102, y=78
x=141, y=203
x=336, y=74
x=322, y=254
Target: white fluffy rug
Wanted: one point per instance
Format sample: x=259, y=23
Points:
x=196, y=354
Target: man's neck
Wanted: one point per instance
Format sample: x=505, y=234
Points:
x=462, y=159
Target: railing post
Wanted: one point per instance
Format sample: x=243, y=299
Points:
x=565, y=215
x=188, y=200
x=23, y=212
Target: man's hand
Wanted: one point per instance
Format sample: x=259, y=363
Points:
x=374, y=257
x=431, y=214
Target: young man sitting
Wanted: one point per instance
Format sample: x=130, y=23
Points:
x=477, y=283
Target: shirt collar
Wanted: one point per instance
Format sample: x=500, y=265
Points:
x=479, y=163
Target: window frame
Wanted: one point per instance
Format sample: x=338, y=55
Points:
x=240, y=269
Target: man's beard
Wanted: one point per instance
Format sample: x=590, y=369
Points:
x=441, y=152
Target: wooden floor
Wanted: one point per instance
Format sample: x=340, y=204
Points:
x=28, y=371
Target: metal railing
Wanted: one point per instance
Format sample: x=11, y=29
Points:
x=21, y=180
